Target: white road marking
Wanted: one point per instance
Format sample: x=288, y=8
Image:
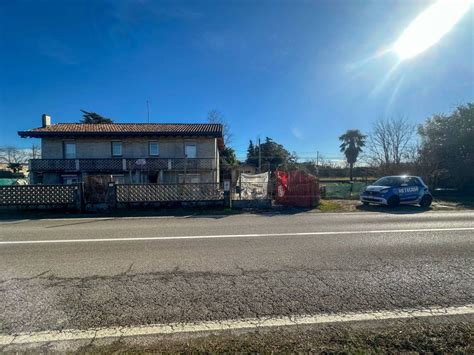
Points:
x=234, y=324
x=256, y=235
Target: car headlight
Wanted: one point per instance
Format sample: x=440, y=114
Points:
x=385, y=190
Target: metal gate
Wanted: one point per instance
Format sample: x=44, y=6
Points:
x=95, y=188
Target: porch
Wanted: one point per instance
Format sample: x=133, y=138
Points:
x=125, y=170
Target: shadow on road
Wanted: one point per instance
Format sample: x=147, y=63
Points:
x=335, y=206
x=81, y=222
x=404, y=209
x=14, y=217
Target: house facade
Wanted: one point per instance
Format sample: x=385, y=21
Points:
x=126, y=152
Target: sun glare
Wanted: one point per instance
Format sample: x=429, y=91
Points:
x=430, y=26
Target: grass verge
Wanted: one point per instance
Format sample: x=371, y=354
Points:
x=330, y=206
x=407, y=337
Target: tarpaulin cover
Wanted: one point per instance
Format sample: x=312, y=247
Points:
x=254, y=186
x=297, y=188
x=7, y=182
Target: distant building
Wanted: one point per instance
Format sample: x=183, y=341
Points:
x=242, y=168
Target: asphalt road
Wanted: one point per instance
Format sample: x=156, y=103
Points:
x=272, y=265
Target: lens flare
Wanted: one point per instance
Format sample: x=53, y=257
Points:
x=430, y=26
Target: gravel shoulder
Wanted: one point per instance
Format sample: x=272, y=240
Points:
x=339, y=205
x=415, y=337
x=433, y=335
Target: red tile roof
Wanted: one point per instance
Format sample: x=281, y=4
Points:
x=125, y=129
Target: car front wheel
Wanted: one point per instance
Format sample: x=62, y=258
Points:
x=393, y=201
x=426, y=201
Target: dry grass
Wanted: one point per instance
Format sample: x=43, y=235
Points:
x=407, y=337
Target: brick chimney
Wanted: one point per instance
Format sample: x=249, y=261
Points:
x=46, y=120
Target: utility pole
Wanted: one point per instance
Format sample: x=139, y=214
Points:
x=259, y=157
x=317, y=162
x=148, y=111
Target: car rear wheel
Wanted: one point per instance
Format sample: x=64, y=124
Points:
x=426, y=201
x=393, y=201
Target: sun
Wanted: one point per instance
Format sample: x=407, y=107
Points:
x=430, y=26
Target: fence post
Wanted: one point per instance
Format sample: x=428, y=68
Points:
x=111, y=199
x=80, y=205
x=240, y=186
x=227, y=197
x=322, y=191
x=270, y=185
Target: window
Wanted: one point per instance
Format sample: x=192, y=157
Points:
x=190, y=150
x=413, y=181
x=153, y=148
x=391, y=181
x=190, y=179
x=69, y=150
x=153, y=177
x=116, y=149
x=118, y=179
x=70, y=179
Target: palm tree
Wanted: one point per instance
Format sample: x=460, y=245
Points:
x=352, y=142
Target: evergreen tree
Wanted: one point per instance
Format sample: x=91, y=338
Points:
x=92, y=117
x=273, y=155
x=252, y=154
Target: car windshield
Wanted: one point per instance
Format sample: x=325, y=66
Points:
x=389, y=181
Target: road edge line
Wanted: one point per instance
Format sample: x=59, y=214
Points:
x=222, y=236
x=235, y=324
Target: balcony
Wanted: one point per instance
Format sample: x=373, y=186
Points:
x=121, y=165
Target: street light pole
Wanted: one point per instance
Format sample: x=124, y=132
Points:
x=259, y=157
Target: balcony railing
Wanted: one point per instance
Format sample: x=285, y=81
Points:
x=120, y=165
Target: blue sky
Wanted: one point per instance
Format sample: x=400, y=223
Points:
x=297, y=71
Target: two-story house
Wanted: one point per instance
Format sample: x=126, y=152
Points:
x=127, y=152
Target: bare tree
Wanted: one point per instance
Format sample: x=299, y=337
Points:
x=215, y=116
x=35, y=151
x=13, y=155
x=391, y=143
